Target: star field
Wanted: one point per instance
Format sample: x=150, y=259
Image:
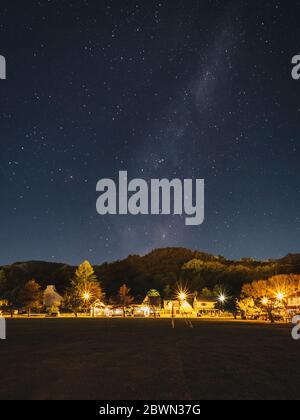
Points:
x=160, y=89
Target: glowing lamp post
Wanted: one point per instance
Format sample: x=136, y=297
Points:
x=280, y=296
x=86, y=296
x=222, y=299
x=182, y=297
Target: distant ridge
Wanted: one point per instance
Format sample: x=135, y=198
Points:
x=155, y=270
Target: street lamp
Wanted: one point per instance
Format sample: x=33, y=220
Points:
x=182, y=296
x=280, y=296
x=265, y=301
x=222, y=298
x=86, y=296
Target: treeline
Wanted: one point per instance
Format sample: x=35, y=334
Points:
x=82, y=294
x=161, y=269
x=269, y=298
x=200, y=274
x=252, y=292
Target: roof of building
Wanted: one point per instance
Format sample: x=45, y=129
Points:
x=210, y=299
x=294, y=295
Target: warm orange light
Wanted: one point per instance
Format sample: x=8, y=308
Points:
x=182, y=296
x=280, y=296
x=222, y=298
x=265, y=301
x=86, y=296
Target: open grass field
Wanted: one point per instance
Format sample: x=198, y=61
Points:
x=147, y=359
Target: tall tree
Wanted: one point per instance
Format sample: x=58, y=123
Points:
x=125, y=298
x=167, y=292
x=271, y=295
x=153, y=293
x=85, y=289
x=85, y=273
x=248, y=308
x=8, y=294
x=153, y=300
x=30, y=296
x=2, y=289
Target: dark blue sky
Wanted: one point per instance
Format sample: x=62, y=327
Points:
x=171, y=88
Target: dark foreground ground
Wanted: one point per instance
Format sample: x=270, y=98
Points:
x=147, y=359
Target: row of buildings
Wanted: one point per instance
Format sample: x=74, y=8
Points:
x=151, y=306
x=155, y=306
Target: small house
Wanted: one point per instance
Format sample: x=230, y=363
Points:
x=206, y=306
x=98, y=309
x=293, y=304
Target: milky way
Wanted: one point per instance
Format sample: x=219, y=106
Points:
x=160, y=89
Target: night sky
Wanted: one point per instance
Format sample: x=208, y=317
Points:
x=199, y=89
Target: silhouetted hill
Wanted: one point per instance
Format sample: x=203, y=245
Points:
x=292, y=259
x=44, y=272
x=155, y=270
x=159, y=268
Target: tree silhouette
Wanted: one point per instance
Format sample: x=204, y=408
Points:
x=30, y=296
x=125, y=298
x=85, y=289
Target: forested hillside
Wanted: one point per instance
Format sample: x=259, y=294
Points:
x=158, y=269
